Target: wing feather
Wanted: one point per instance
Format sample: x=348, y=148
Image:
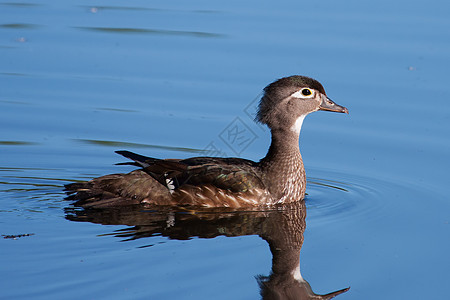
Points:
x=233, y=174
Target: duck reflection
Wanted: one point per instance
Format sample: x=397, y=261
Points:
x=282, y=227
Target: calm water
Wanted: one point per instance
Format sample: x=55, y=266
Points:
x=80, y=80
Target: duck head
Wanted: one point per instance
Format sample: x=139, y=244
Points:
x=287, y=101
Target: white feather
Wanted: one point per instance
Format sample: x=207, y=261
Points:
x=296, y=274
x=169, y=184
x=298, y=124
x=298, y=94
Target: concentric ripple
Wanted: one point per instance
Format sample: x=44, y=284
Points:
x=336, y=197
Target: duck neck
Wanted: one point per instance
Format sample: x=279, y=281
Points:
x=284, y=142
x=283, y=170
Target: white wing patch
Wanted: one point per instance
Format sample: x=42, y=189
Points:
x=169, y=184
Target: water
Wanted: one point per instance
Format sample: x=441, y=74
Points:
x=78, y=81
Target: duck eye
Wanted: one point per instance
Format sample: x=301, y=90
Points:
x=306, y=92
x=303, y=93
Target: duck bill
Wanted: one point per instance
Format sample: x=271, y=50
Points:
x=328, y=105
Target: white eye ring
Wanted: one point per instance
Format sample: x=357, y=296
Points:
x=303, y=93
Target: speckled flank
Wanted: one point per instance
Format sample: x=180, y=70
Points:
x=210, y=196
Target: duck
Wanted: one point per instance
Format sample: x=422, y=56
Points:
x=222, y=182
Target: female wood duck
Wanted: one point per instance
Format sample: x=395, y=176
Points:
x=222, y=182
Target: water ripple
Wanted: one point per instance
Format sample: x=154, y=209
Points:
x=19, y=26
x=20, y=4
x=138, y=145
x=17, y=143
x=353, y=197
x=129, y=30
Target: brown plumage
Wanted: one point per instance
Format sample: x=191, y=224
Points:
x=222, y=182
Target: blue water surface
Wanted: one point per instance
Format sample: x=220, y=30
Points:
x=167, y=79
